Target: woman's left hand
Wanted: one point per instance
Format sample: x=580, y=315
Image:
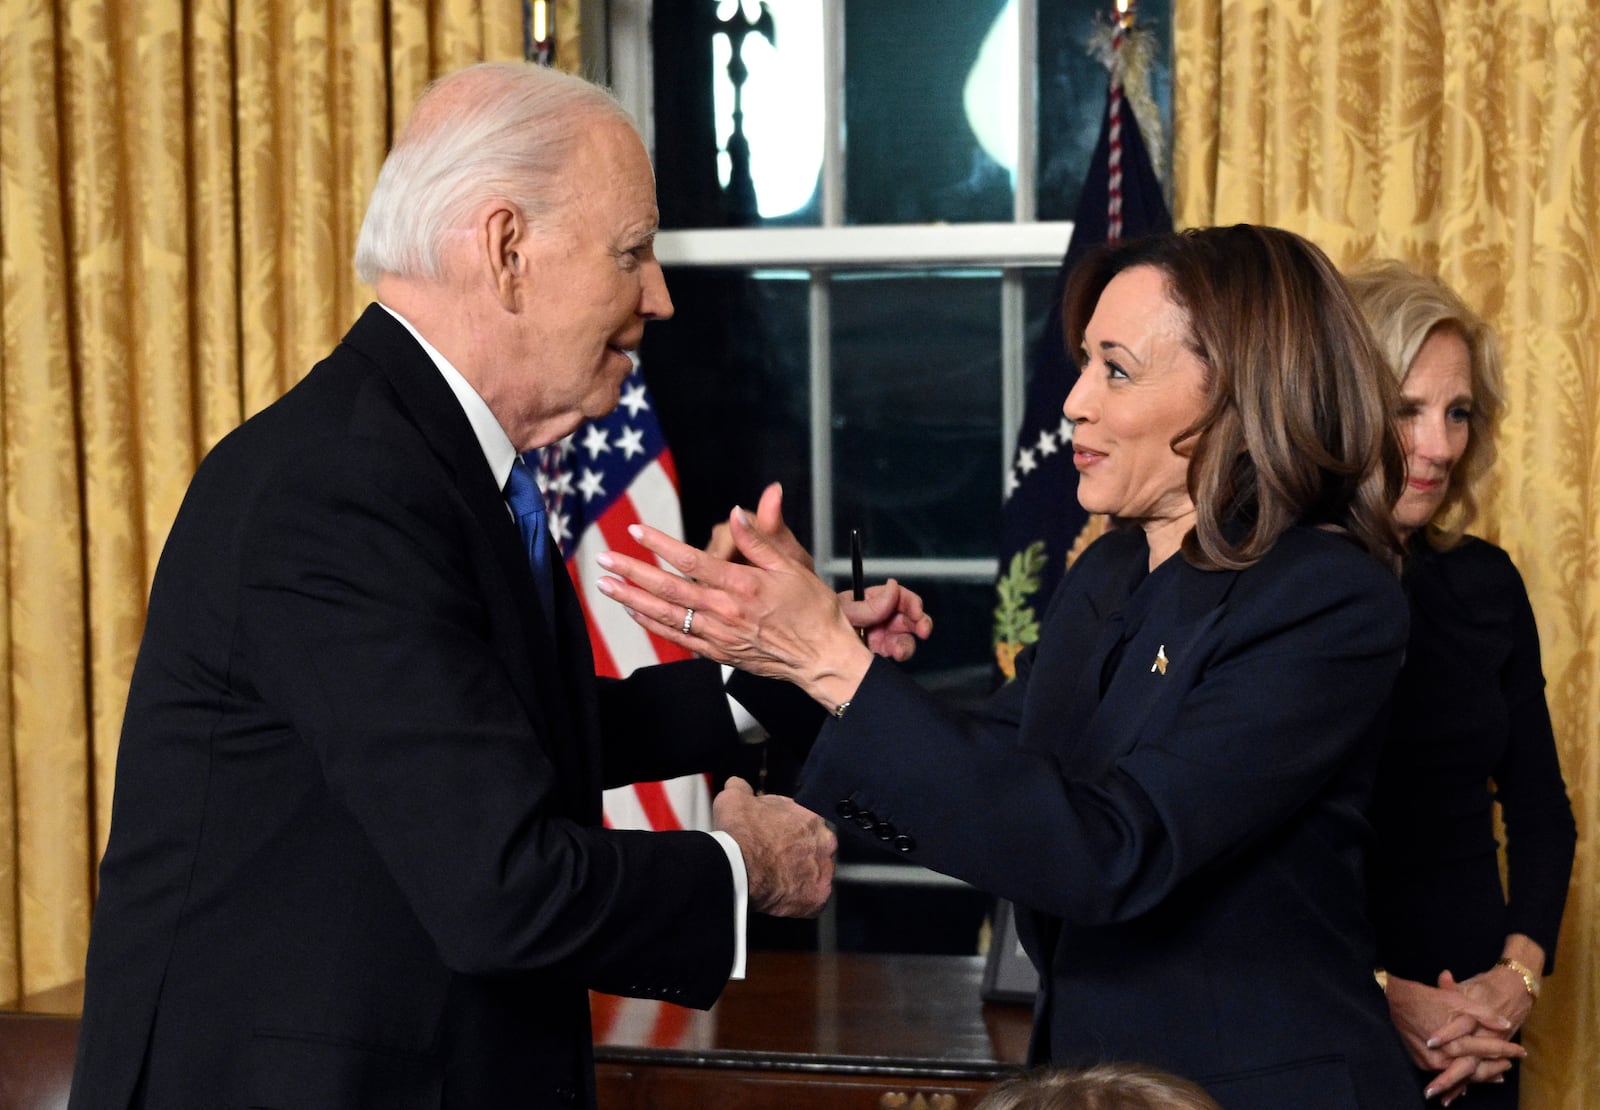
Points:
x=1503, y=991
x=772, y=617
x=892, y=617
x=1445, y=1032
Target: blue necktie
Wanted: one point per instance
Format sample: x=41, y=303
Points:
x=522, y=494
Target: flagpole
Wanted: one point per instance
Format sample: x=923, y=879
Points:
x=538, y=32
x=1043, y=524
x=1121, y=22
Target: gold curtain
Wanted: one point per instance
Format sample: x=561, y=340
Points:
x=1464, y=138
x=181, y=183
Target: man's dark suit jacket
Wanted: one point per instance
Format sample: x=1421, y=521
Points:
x=1172, y=792
x=356, y=854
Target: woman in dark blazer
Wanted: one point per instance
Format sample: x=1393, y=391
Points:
x=1173, y=791
x=1470, y=727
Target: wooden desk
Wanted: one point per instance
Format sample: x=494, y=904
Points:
x=803, y=1031
x=843, y=1032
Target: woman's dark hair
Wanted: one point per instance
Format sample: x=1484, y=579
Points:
x=1298, y=421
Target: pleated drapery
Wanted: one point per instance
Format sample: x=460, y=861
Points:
x=1463, y=138
x=181, y=183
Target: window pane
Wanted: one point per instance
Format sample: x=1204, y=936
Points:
x=1042, y=305
x=739, y=104
x=916, y=413
x=728, y=374
x=930, y=105
x=1072, y=93
x=930, y=111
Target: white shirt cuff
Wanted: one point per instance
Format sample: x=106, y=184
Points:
x=750, y=730
x=741, y=899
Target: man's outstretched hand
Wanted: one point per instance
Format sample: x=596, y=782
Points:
x=788, y=850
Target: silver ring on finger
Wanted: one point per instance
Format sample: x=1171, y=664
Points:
x=688, y=621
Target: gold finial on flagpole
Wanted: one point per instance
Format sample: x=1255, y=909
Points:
x=1121, y=24
x=1126, y=50
x=539, y=38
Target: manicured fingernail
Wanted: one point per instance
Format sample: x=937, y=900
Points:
x=606, y=585
x=1433, y=1042
x=744, y=517
x=636, y=531
x=605, y=559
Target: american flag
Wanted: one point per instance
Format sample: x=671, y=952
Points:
x=609, y=474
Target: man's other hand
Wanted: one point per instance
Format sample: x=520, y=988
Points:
x=770, y=523
x=788, y=850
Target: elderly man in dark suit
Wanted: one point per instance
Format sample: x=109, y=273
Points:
x=356, y=855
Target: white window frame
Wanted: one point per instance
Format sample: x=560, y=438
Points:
x=1013, y=248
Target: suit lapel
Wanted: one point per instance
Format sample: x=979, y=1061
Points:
x=544, y=672
x=1163, y=659
x=433, y=409
x=577, y=662
x=1080, y=632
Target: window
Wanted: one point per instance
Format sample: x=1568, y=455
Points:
x=864, y=204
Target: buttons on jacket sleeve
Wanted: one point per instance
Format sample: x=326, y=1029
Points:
x=868, y=821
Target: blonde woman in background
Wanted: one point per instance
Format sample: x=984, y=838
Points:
x=1463, y=958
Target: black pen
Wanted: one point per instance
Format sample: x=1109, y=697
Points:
x=858, y=584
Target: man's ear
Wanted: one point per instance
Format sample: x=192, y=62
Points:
x=504, y=245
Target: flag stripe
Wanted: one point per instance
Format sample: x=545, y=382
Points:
x=599, y=644
x=657, y=807
x=610, y=474
x=645, y=1021
x=670, y=469
x=672, y=1026
x=623, y=810
x=657, y=485
x=626, y=644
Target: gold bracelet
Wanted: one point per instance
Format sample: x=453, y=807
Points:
x=1529, y=979
x=1382, y=977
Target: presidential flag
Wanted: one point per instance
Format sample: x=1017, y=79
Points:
x=607, y=475
x=1042, y=524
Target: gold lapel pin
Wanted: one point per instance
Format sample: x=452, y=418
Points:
x=1161, y=660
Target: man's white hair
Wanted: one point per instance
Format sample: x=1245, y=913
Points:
x=497, y=130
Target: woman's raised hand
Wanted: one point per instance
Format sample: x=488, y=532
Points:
x=769, y=615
